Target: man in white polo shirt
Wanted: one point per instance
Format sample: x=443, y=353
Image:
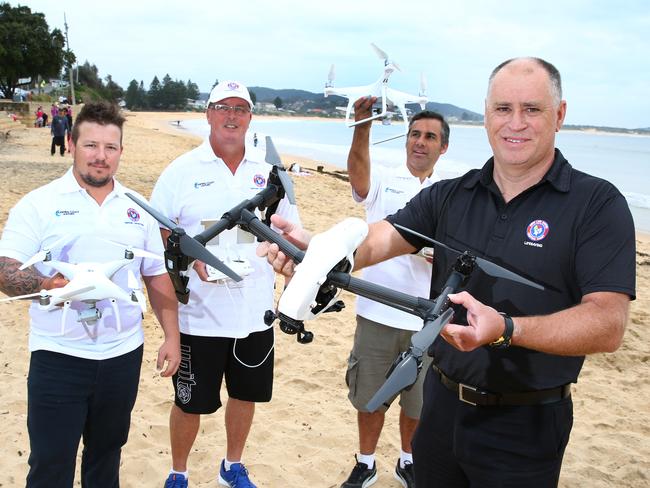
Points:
x=83, y=374
x=223, y=334
x=383, y=332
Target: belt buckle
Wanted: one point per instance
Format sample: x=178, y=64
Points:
x=461, y=389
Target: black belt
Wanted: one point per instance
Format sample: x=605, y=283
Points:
x=476, y=396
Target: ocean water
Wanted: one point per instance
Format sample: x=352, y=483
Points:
x=623, y=160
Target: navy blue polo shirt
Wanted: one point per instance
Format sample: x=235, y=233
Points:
x=571, y=232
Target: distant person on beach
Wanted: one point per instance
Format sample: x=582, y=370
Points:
x=255, y=139
x=59, y=128
x=39, y=117
x=68, y=116
x=497, y=407
x=223, y=334
x=381, y=331
x=83, y=377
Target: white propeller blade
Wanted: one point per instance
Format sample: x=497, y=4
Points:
x=53, y=293
x=20, y=297
x=331, y=75
x=382, y=54
x=42, y=254
x=423, y=84
x=141, y=253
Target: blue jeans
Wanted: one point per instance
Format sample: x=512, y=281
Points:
x=70, y=397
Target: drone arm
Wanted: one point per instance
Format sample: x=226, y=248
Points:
x=407, y=303
x=228, y=220
x=250, y=221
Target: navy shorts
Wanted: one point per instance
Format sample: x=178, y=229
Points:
x=246, y=364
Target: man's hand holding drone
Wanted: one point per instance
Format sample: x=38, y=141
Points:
x=484, y=324
x=295, y=234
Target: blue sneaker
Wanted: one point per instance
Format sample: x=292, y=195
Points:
x=176, y=480
x=235, y=477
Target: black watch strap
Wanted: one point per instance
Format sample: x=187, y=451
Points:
x=506, y=337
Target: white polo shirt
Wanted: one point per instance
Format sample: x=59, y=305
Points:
x=61, y=209
x=196, y=187
x=390, y=190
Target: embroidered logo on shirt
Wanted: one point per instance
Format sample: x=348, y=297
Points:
x=202, y=184
x=133, y=214
x=536, y=231
x=259, y=180
x=60, y=213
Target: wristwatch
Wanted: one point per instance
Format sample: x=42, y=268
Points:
x=505, y=339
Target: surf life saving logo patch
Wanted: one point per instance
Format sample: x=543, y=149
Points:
x=133, y=214
x=536, y=231
x=259, y=180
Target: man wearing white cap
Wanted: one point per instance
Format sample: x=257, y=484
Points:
x=223, y=334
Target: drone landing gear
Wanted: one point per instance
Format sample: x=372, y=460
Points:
x=290, y=326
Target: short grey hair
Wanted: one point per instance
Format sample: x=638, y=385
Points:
x=552, y=71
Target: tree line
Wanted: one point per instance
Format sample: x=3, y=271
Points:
x=28, y=49
x=168, y=95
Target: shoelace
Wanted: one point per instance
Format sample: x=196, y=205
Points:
x=239, y=475
x=358, y=471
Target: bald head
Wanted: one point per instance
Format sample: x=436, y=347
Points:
x=529, y=66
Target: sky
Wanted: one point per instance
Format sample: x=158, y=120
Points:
x=601, y=48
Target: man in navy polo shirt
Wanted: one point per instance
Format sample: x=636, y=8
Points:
x=497, y=408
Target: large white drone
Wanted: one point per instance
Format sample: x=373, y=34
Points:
x=89, y=283
x=390, y=98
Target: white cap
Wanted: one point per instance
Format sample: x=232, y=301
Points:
x=228, y=89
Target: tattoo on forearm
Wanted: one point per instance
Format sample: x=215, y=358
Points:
x=18, y=282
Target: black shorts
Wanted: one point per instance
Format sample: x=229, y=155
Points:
x=205, y=361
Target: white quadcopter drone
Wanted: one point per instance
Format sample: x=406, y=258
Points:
x=325, y=251
x=390, y=98
x=89, y=283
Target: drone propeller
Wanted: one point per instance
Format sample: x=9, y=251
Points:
x=140, y=253
x=44, y=254
x=384, y=57
x=134, y=285
x=64, y=294
x=21, y=297
x=487, y=266
x=423, y=85
x=331, y=76
x=189, y=246
x=272, y=157
x=405, y=372
x=402, y=376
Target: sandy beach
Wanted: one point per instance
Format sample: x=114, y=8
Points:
x=307, y=435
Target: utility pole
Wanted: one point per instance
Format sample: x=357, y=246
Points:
x=67, y=41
